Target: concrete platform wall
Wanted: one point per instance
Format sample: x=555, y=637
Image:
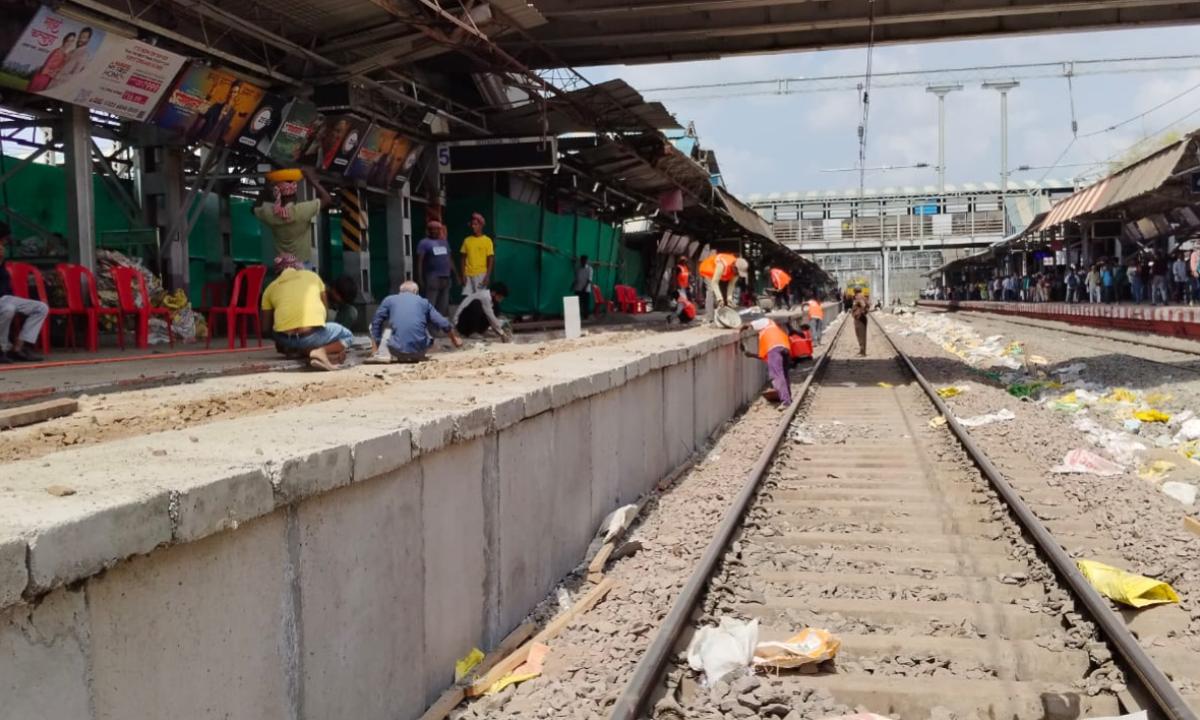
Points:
x=1171, y=321
x=388, y=552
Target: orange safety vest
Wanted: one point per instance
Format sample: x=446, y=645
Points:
x=708, y=266
x=689, y=310
x=770, y=338
x=816, y=310
x=682, y=278
x=779, y=278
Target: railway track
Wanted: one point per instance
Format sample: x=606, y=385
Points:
x=949, y=597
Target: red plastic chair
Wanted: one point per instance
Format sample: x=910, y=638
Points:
x=74, y=277
x=125, y=278
x=247, y=285
x=20, y=274
x=599, y=302
x=627, y=299
x=212, y=295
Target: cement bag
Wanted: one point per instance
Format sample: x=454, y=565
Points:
x=1126, y=588
x=718, y=651
x=808, y=646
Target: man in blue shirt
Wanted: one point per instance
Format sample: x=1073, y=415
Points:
x=434, y=266
x=409, y=315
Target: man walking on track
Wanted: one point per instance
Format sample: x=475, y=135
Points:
x=859, y=309
x=816, y=317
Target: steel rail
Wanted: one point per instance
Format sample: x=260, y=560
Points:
x=1169, y=701
x=649, y=668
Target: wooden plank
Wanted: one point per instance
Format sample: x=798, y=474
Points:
x=456, y=694
x=1192, y=524
x=510, y=663
x=595, y=571
x=39, y=412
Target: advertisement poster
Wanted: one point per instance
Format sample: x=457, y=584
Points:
x=243, y=101
x=300, y=119
x=385, y=155
x=260, y=129
x=65, y=59
x=338, y=141
x=204, y=103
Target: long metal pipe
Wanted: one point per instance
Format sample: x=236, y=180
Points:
x=1098, y=609
x=649, y=668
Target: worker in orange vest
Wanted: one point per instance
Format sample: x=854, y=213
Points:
x=721, y=268
x=683, y=277
x=801, y=343
x=684, y=310
x=780, y=281
x=774, y=349
x=816, y=317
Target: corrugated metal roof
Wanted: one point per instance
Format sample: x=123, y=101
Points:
x=612, y=104
x=1071, y=207
x=1142, y=177
x=751, y=221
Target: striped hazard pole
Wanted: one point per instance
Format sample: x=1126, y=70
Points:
x=354, y=221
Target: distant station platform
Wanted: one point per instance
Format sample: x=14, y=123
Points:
x=1171, y=320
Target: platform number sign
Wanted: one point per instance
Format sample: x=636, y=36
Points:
x=498, y=155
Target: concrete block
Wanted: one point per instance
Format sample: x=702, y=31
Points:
x=605, y=411
x=472, y=423
x=431, y=433
x=43, y=659
x=565, y=392
x=14, y=575
x=632, y=441
x=314, y=472
x=452, y=522
x=570, y=482
x=537, y=401
x=525, y=517
x=381, y=453
x=86, y=534
x=199, y=629
x=359, y=571
x=639, y=367
x=679, y=412
x=507, y=413
x=203, y=509
x=706, y=397
x=650, y=388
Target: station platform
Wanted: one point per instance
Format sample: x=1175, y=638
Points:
x=1168, y=321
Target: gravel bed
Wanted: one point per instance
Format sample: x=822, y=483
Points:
x=592, y=660
x=1134, y=522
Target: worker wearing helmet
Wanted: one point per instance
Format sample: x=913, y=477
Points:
x=774, y=348
x=722, y=268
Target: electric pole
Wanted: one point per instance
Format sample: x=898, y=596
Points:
x=1003, y=87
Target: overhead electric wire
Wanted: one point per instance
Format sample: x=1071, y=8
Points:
x=1143, y=114
x=866, y=100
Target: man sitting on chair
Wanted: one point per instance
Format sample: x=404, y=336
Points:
x=33, y=311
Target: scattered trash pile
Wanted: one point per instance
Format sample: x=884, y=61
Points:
x=187, y=325
x=1140, y=422
x=733, y=647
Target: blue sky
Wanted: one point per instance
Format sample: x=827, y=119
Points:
x=781, y=143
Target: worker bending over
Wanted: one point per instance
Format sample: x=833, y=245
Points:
x=683, y=277
x=718, y=269
x=774, y=349
x=684, y=310
x=476, y=314
x=294, y=305
x=410, y=317
x=780, y=281
x=800, y=342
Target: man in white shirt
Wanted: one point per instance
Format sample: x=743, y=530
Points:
x=476, y=314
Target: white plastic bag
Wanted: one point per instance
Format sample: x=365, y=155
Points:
x=1190, y=430
x=1002, y=415
x=718, y=651
x=1181, y=491
x=1086, y=461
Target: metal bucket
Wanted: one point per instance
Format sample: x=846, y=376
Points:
x=727, y=317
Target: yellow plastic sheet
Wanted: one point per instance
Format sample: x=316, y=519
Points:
x=1121, y=395
x=1152, y=416
x=531, y=668
x=1158, y=398
x=937, y=422
x=885, y=385
x=1156, y=470
x=948, y=392
x=1126, y=588
x=467, y=664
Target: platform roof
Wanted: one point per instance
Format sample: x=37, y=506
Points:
x=597, y=32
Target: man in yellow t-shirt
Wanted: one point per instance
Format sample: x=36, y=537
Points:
x=479, y=258
x=294, y=305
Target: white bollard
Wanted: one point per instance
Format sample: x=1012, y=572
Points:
x=572, y=323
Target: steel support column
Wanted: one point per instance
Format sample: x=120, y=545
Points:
x=81, y=201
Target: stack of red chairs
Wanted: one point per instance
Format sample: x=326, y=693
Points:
x=628, y=300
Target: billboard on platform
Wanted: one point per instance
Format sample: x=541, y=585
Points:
x=65, y=59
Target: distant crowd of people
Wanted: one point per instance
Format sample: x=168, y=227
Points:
x=1148, y=277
